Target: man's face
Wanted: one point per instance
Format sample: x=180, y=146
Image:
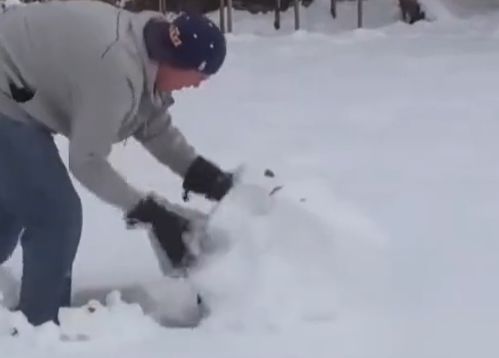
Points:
x=171, y=79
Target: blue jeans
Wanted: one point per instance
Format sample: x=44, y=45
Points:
x=40, y=208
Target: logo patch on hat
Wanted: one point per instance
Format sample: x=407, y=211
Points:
x=175, y=36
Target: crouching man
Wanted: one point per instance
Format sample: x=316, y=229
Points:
x=97, y=75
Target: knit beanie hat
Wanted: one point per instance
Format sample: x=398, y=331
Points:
x=190, y=41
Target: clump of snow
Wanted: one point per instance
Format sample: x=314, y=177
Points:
x=171, y=302
x=95, y=321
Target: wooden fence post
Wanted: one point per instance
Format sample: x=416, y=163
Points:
x=222, y=15
x=297, y=14
x=360, y=13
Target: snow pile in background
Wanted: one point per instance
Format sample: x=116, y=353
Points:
x=452, y=10
x=468, y=8
x=10, y=3
x=438, y=10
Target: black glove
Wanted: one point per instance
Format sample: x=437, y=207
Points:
x=167, y=227
x=204, y=177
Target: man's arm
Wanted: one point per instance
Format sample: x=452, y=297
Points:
x=99, y=112
x=166, y=143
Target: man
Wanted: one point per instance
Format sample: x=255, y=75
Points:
x=97, y=75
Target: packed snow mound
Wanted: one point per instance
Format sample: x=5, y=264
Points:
x=275, y=253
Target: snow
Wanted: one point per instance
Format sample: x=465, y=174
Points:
x=381, y=242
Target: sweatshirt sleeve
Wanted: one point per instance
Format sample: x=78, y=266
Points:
x=99, y=111
x=166, y=143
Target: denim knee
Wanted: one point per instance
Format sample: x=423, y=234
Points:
x=68, y=215
x=58, y=224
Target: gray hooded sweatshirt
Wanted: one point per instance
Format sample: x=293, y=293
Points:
x=85, y=68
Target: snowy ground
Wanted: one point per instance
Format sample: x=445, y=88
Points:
x=383, y=240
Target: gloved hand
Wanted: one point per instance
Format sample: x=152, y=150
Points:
x=204, y=177
x=167, y=226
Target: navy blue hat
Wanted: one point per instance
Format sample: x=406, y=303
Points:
x=190, y=41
